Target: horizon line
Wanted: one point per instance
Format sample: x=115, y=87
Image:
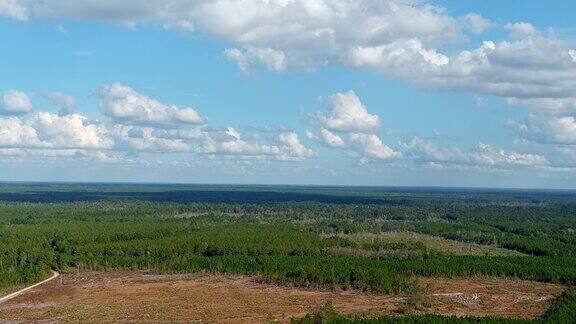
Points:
x=303, y=185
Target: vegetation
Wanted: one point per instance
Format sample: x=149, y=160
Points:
x=562, y=311
x=328, y=315
x=313, y=237
x=418, y=243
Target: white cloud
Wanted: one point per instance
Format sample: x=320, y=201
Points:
x=13, y=9
x=71, y=131
x=15, y=102
x=547, y=129
x=196, y=133
x=138, y=124
x=46, y=130
x=65, y=102
x=330, y=139
x=259, y=20
x=39, y=155
x=545, y=105
x=522, y=30
x=533, y=67
x=127, y=12
x=425, y=152
x=234, y=144
x=347, y=124
x=572, y=54
x=292, y=148
x=346, y=113
x=273, y=60
x=370, y=146
x=400, y=57
x=73, y=136
x=144, y=139
x=15, y=133
x=402, y=38
x=476, y=23
x=288, y=148
x=126, y=105
x=309, y=33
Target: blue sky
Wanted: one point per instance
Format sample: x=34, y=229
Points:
x=397, y=92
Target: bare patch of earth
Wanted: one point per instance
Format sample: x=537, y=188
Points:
x=99, y=297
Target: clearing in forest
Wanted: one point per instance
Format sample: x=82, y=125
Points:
x=137, y=296
x=433, y=243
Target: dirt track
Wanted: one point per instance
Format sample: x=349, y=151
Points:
x=23, y=290
x=125, y=296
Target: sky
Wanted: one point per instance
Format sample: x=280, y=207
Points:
x=327, y=92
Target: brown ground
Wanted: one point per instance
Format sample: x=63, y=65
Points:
x=128, y=297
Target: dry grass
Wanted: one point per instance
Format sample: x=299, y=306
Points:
x=433, y=243
x=128, y=297
x=491, y=296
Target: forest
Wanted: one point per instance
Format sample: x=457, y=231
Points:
x=315, y=237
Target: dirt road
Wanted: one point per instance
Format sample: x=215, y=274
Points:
x=21, y=291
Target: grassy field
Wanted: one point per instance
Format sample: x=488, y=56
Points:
x=401, y=242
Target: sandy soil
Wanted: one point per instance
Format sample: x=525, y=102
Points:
x=139, y=297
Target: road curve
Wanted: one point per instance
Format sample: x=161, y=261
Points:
x=21, y=291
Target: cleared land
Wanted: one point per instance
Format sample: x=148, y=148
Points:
x=433, y=243
x=19, y=292
x=137, y=296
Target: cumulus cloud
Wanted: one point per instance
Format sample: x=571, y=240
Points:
x=371, y=146
x=572, y=54
x=258, y=21
x=13, y=9
x=15, y=133
x=227, y=143
x=346, y=113
x=15, y=102
x=278, y=33
x=531, y=67
x=476, y=23
x=55, y=156
x=287, y=148
x=327, y=138
x=65, y=102
x=347, y=124
x=234, y=144
x=245, y=59
x=547, y=129
x=331, y=139
x=137, y=124
x=545, y=105
x=402, y=38
x=404, y=57
x=522, y=30
x=292, y=148
x=72, y=131
x=426, y=152
x=73, y=136
x=315, y=34
x=144, y=139
x=46, y=130
x=126, y=105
